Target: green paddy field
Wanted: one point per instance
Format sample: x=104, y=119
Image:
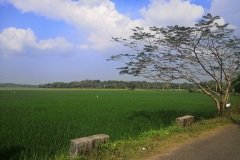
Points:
x=39, y=123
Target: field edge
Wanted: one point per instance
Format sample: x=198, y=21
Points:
x=152, y=142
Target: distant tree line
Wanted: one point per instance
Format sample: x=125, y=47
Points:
x=112, y=84
x=12, y=85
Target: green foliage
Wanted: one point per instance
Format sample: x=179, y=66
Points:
x=38, y=124
x=163, y=132
x=236, y=84
x=131, y=86
x=194, y=91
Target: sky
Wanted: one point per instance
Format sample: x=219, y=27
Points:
x=44, y=41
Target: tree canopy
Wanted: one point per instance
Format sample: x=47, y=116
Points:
x=208, y=51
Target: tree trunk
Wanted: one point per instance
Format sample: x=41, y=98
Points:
x=221, y=108
x=222, y=104
x=224, y=101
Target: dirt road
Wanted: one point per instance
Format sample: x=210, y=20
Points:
x=224, y=144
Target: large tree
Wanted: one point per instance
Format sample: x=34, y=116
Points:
x=207, y=51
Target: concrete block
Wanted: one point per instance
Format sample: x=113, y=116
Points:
x=185, y=121
x=84, y=145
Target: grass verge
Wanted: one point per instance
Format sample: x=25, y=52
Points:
x=150, y=142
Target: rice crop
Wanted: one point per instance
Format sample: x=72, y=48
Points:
x=38, y=124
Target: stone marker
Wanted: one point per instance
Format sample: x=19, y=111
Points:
x=85, y=145
x=185, y=121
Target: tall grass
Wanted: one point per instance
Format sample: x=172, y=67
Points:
x=36, y=124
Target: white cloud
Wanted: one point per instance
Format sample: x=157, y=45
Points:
x=91, y=2
x=101, y=20
x=84, y=46
x=99, y=17
x=222, y=21
x=14, y=40
x=165, y=12
x=59, y=44
x=229, y=10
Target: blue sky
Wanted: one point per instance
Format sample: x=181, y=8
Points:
x=64, y=40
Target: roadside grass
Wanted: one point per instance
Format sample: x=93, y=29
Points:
x=150, y=142
x=234, y=114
